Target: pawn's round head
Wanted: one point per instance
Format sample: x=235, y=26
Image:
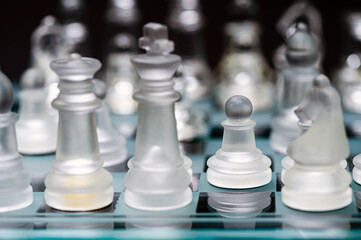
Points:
x=32, y=78
x=6, y=94
x=238, y=107
x=99, y=88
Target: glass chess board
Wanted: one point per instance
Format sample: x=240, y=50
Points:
x=213, y=213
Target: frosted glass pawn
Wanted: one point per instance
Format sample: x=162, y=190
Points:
x=36, y=130
x=157, y=178
x=78, y=181
x=296, y=79
x=111, y=143
x=239, y=163
x=15, y=189
x=317, y=182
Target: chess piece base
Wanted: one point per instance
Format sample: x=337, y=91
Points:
x=80, y=192
x=312, y=189
x=158, y=202
x=14, y=200
x=356, y=172
x=288, y=162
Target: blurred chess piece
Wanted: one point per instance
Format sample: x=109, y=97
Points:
x=122, y=29
x=186, y=21
x=78, y=181
x=300, y=10
x=243, y=70
x=72, y=17
x=296, y=79
x=16, y=192
x=239, y=163
x=348, y=77
x=317, y=182
x=36, y=130
x=49, y=42
x=242, y=206
x=191, y=121
x=111, y=144
x=157, y=178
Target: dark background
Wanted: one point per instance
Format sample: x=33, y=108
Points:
x=18, y=19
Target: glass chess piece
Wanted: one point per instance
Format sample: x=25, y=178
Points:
x=120, y=76
x=122, y=18
x=36, y=130
x=15, y=191
x=111, y=144
x=72, y=16
x=157, y=178
x=49, y=42
x=296, y=79
x=286, y=26
x=287, y=162
x=239, y=205
x=186, y=22
x=191, y=122
x=239, y=163
x=78, y=181
x=243, y=70
x=317, y=182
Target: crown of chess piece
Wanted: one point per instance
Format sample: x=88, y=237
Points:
x=317, y=182
x=239, y=163
x=296, y=79
x=243, y=70
x=157, y=178
x=111, y=143
x=78, y=182
x=36, y=130
x=16, y=192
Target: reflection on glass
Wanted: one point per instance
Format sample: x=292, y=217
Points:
x=239, y=206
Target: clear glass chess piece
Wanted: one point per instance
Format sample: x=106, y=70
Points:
x=243, y=70
x=15, y=190
x=239, y=163
x=296, y=79
x=36, y=130
x=317, y=182
x=111, y=144
x=157, y=178
x=78, y=181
